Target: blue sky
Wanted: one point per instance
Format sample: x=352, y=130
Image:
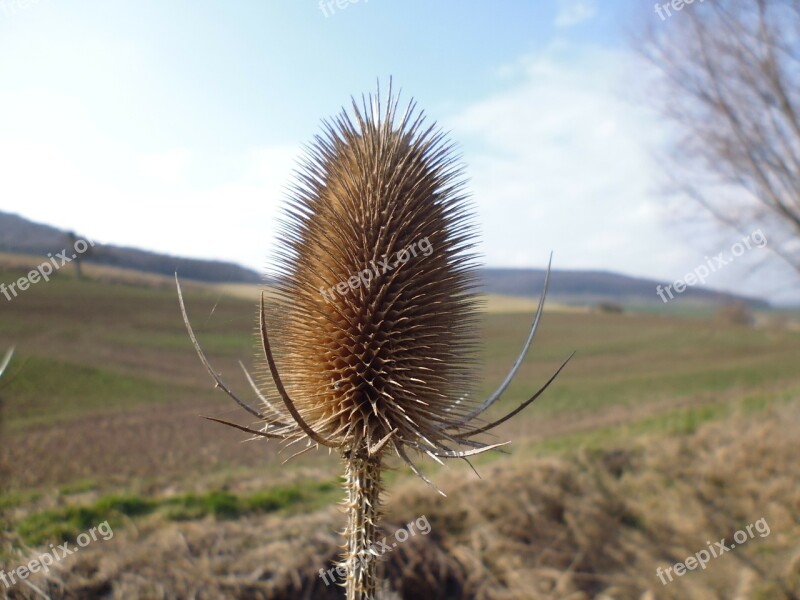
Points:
x=174, y=126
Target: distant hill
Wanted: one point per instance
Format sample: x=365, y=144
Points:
x=594, y=287
x=18, y=235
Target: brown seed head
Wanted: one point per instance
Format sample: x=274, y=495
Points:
x=374, y=312
x=374, y=318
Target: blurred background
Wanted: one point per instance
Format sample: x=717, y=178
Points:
x=654, y=149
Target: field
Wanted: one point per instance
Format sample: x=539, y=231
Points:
x=662, y=433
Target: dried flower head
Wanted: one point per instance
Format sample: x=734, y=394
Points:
x=375, y=312
x=374, y=316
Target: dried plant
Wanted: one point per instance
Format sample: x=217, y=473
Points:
x=3, y=467
x=387, y=366
x=6, y=361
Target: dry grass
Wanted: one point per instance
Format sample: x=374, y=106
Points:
x=598, y=525
x=584, y=525
x=23, y=263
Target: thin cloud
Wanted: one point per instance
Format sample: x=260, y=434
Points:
x=572, y=12
x=559, y=158
x=562, y=160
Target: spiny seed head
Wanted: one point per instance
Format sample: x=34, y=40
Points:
x=374, y=316
x=375, y=311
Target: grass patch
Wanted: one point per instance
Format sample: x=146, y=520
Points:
x=50, y=391
x=217, y=344
x=304, y=496
x=78, y=487
x=130, y=506
x=64, y=524
x=58, y=525
x=13, y=499
x=220, y=504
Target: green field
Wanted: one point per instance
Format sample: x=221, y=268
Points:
x=102, y=407
x=93, y=351
x=88, y=348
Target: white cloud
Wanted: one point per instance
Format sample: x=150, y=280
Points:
x=572, y=12
x=232, y=218
x=559, y=161
x=170, y=166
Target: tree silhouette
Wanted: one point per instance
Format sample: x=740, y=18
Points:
x=730, y=71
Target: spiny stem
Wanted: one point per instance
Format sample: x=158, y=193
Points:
x=363, y=485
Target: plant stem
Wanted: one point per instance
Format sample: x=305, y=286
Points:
x=363, y=485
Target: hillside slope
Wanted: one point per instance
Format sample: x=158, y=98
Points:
x=20, y=236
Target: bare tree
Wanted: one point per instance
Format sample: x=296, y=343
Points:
x=77, y=261
x=729, y=78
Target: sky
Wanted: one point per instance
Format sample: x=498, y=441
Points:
x=175, y=126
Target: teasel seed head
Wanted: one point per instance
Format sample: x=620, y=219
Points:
x=374, y=312
x=375, y=306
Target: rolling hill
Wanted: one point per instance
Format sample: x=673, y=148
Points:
x=574, y=287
